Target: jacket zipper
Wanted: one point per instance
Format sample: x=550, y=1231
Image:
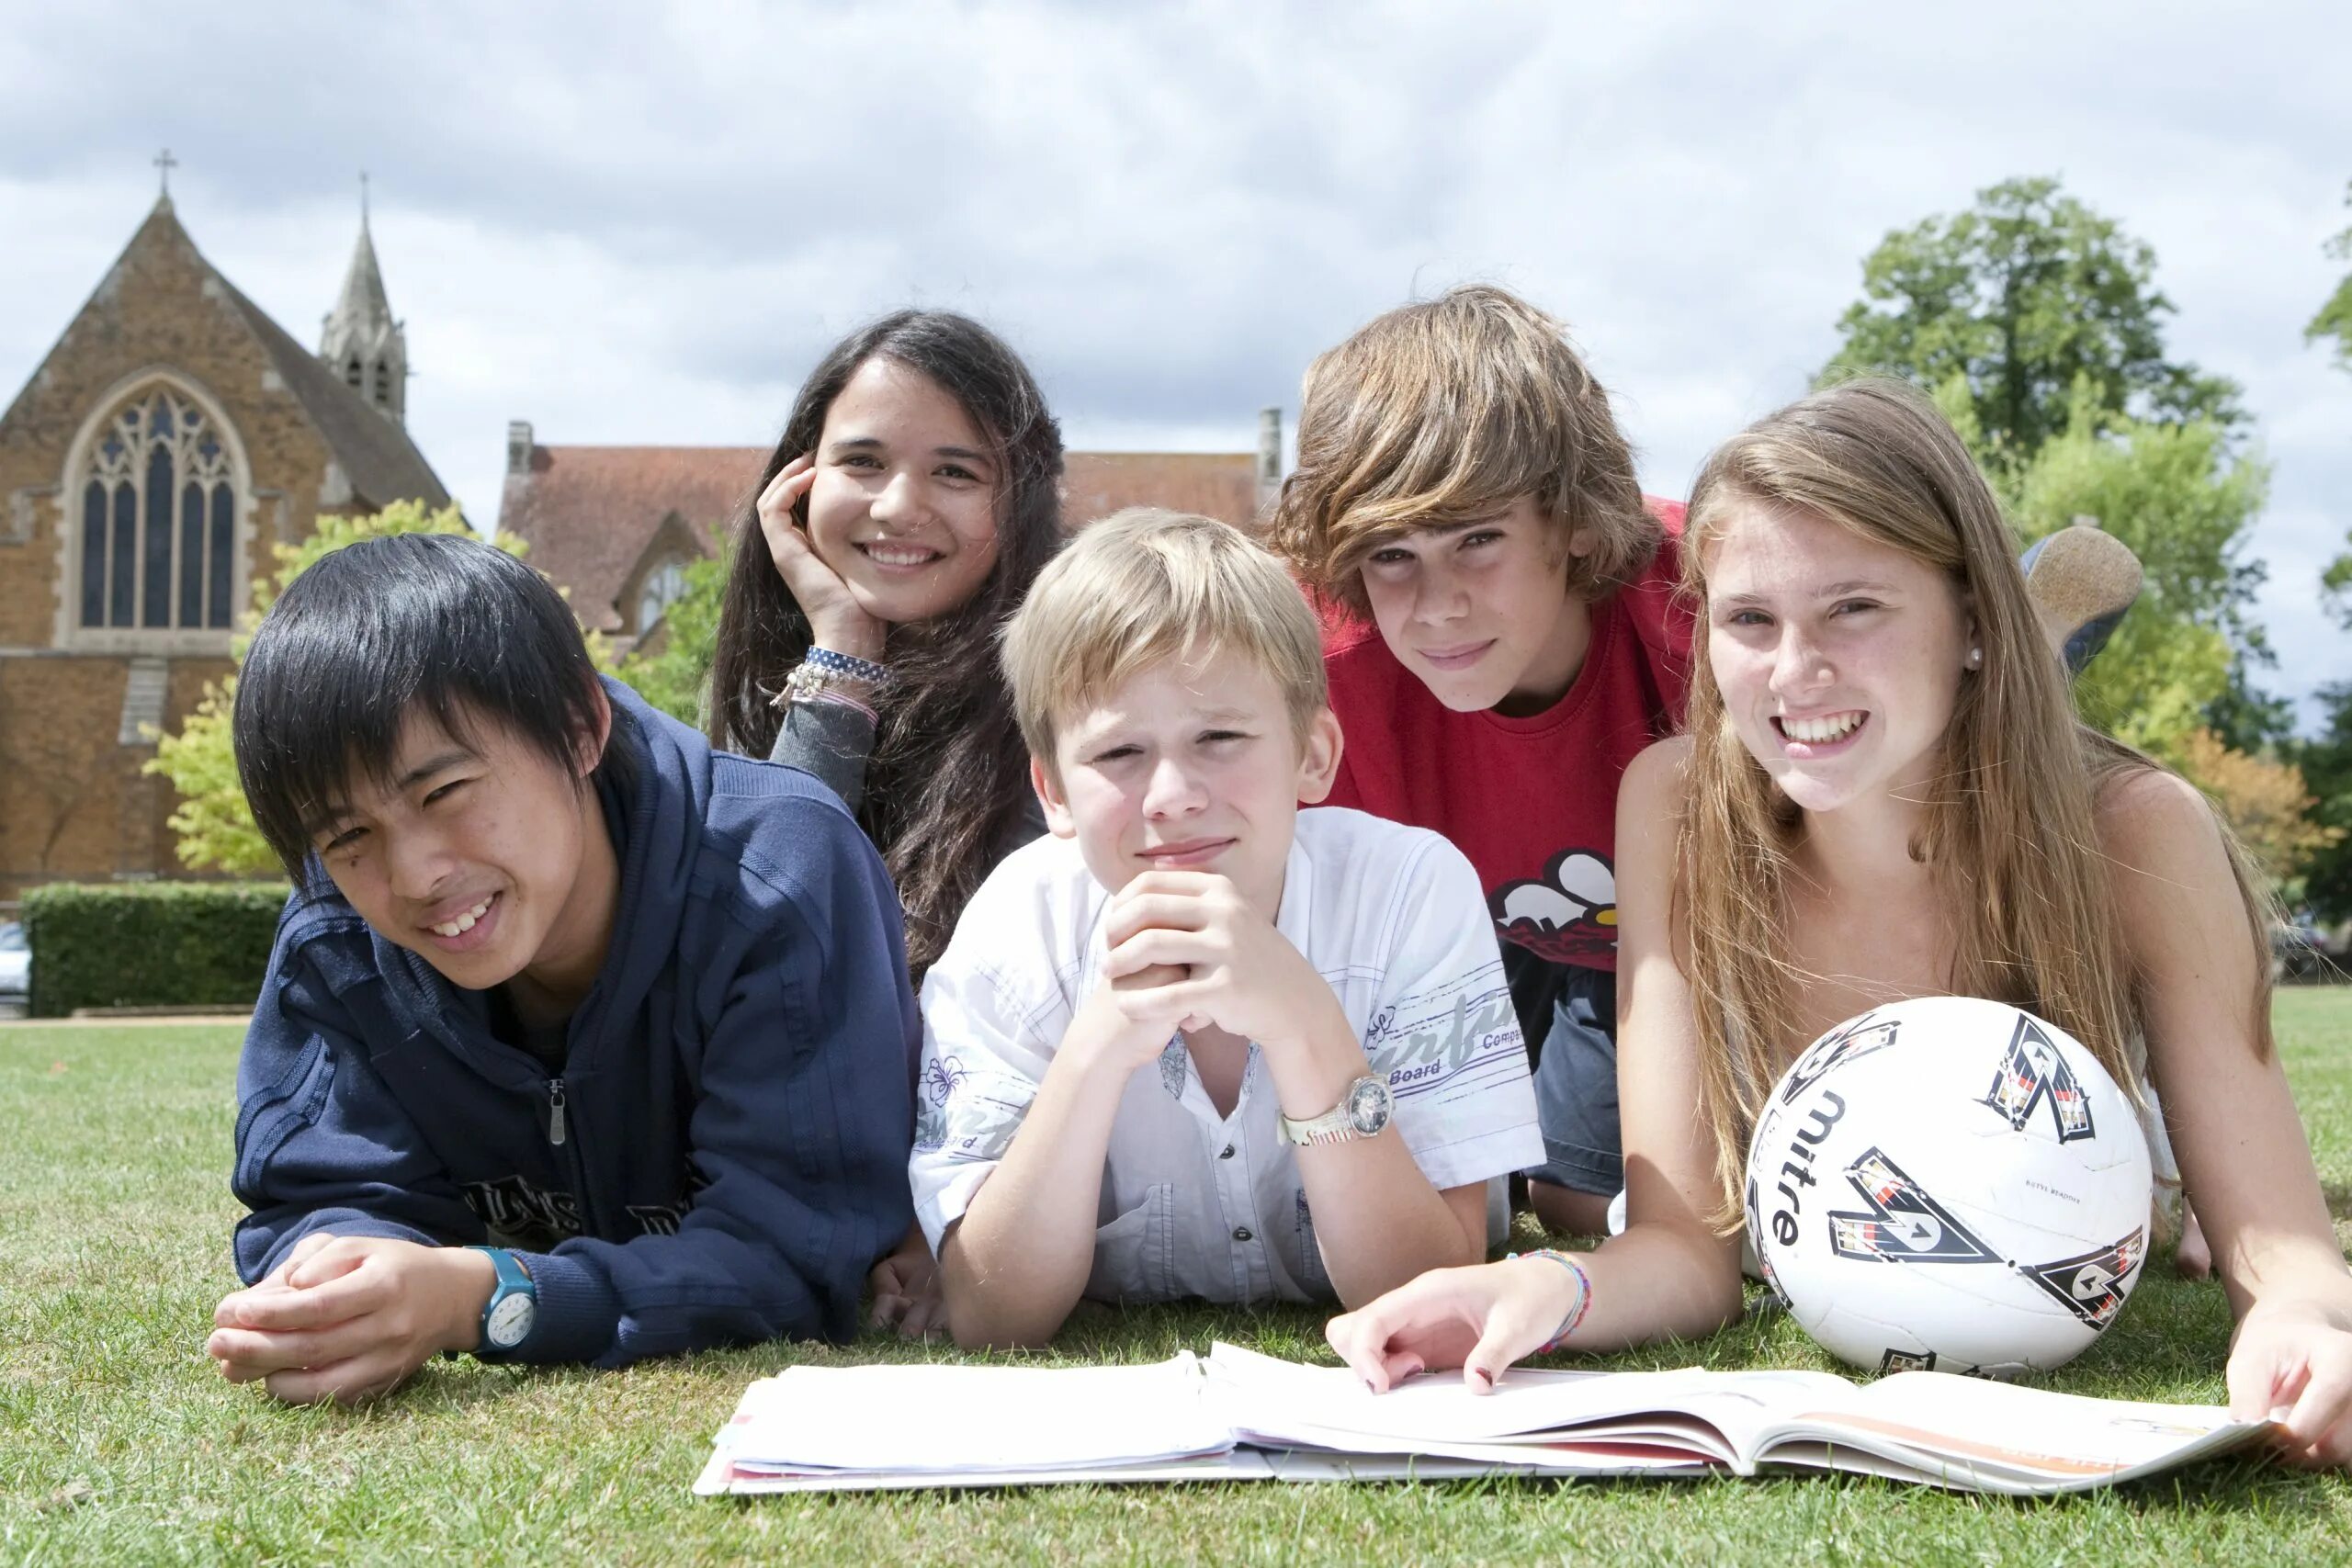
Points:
x=555, y=1112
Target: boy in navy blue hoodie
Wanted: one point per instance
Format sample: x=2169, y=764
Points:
x=580, y=1041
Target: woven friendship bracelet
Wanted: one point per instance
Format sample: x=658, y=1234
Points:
x=1575, y=1314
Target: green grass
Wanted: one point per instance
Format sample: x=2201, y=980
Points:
x=119, y=1442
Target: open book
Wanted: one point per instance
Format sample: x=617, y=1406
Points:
x=1240, y=1416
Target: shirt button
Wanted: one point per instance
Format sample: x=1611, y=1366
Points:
x=1241, y=1233
x=1227, y=1154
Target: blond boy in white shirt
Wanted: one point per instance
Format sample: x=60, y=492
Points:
x=1196, y=1043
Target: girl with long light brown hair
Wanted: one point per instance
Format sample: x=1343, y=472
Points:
x=1883, y=793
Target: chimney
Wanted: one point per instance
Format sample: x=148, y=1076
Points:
x=1269, y=454
x=519, y=448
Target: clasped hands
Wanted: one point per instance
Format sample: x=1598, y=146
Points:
x=349, y=1317
x=1187, y=951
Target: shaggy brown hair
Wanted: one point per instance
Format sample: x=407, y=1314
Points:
x=1446, y=413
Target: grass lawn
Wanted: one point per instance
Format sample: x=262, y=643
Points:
x=119, y=1442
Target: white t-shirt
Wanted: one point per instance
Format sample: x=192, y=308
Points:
x=1194, y=1203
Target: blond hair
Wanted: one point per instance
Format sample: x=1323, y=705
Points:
x=2009, y=824
x=1447, y=413
x=1145, y=584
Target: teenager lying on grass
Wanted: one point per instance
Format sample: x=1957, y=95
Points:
x=1197, y=1041
x=580, y=1043
x=1884, y=794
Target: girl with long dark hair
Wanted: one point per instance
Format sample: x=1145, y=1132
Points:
x=912, y=500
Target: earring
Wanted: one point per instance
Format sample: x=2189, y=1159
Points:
x=1975, y=658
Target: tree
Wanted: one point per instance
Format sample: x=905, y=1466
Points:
x=2334, y=319
x=671, y=665
x=2266, y=802
x=215, y=826
x=2018, y=299
x=2182, y=502
x=2326, y=766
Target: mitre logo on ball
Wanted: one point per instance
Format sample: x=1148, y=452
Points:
x=1950, y=1184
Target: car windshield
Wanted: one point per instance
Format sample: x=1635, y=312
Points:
x=12, y=938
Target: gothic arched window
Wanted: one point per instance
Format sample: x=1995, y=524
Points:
x=159, y=510
x=661, y=590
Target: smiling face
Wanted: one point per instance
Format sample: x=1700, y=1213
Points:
x=1191, y=765
x=1482, y=614
x=904, y=503
x=1839, y=658
x=487, y=860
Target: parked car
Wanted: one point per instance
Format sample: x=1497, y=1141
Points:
x=16, y=963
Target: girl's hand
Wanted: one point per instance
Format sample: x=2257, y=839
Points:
x=836, y=621
x=1481, y=1319
x=2293, y=1362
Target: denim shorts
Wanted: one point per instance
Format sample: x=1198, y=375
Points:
x=1576, y=1086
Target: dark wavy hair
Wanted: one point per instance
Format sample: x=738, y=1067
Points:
x=949, y=776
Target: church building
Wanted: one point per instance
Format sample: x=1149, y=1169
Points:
x=170, y=438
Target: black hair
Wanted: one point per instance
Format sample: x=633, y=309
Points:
x=949, y=776
x=437, y=624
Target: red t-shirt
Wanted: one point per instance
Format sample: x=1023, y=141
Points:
x=1531, y=801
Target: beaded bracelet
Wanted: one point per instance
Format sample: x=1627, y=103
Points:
x=1575, y=1314
x=821, y=669
x=847, y=667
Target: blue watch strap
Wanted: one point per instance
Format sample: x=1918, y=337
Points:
x=514, y=1280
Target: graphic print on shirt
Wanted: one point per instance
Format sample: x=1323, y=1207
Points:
x=522, y=1216
x=1446, y=1043
x=1570, y=913
x=971, y=1113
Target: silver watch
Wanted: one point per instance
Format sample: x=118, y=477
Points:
x=1364, y=1110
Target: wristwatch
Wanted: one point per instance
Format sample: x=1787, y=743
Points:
x=1363, y=1111
x=514, y=1303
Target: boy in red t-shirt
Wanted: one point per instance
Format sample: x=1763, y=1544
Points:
x=1502, y=635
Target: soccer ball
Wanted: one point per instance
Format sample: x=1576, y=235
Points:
x=1950, y=1184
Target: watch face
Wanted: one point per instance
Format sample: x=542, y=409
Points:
x=1368, y=1105
x=510, y=1321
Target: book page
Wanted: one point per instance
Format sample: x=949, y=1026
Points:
x=2002, y=1437
x=953, y=1420
x=1270, y=1399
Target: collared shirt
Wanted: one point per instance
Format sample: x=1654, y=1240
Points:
x=1194, y=1203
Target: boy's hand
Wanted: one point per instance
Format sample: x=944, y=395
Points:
x=1130, y=1015
x=350, y=1318
x=906, y=1289
x=1237, y=971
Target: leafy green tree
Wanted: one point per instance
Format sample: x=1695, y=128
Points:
x=214, y=826
x=2183, y=501
x=671, y=667
x=2017, y=300
x=2326, y=765
x=2333, y=321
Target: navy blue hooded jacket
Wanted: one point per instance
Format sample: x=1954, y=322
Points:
x=730, y=1156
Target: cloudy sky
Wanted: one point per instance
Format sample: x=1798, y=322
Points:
x=639, y=224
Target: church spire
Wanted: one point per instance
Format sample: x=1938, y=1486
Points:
x=362, y=343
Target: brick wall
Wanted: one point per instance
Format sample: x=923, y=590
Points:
x=62, y=768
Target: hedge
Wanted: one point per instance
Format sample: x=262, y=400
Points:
x=148, y=943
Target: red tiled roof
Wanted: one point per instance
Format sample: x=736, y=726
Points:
x=1223, y=485
x=589, y=512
